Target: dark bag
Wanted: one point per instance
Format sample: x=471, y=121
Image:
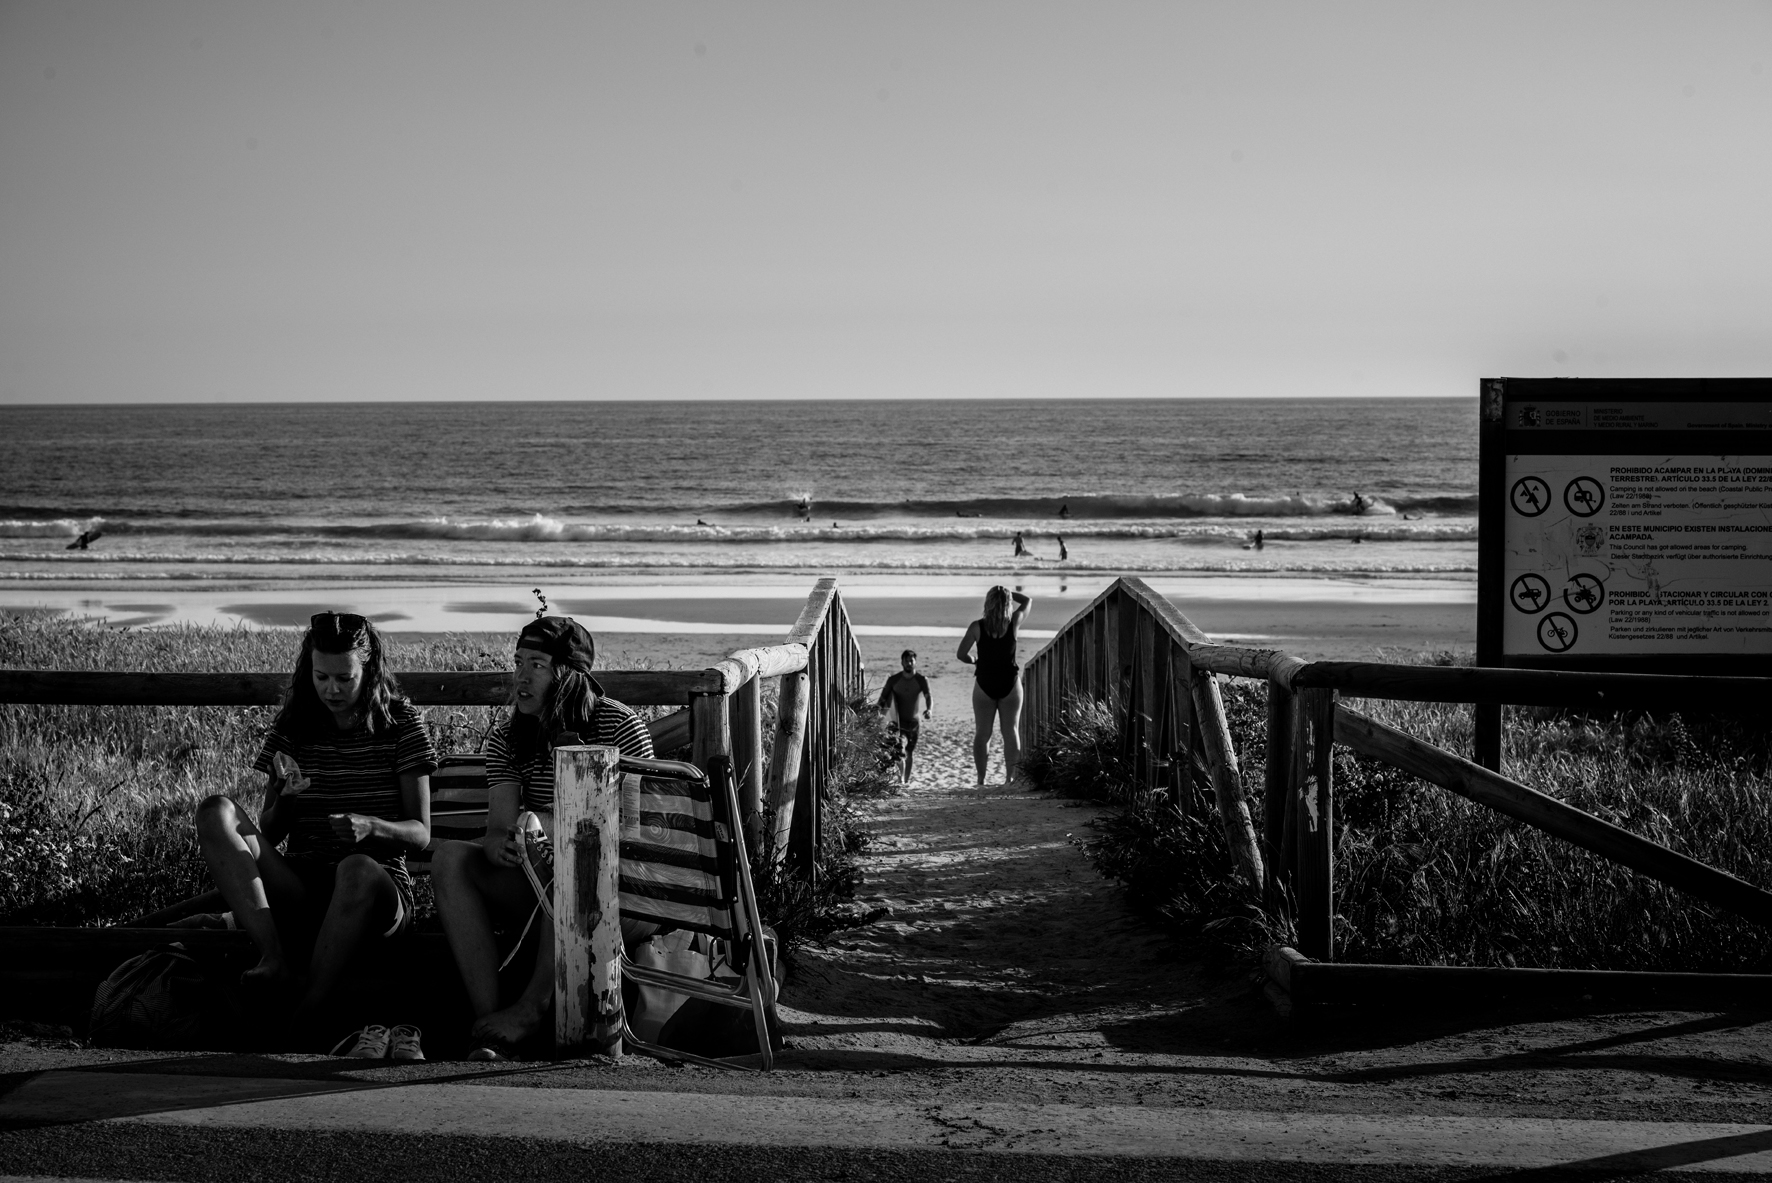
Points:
x=161, y=1000
x=662, y=1016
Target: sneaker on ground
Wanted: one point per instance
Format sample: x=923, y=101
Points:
x=404, y=1043
x=372, y=1043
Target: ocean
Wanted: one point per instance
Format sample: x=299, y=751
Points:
x=453, y=491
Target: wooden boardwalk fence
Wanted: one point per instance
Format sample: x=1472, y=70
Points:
x=1133, y=650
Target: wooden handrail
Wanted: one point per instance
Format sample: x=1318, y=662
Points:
x=1372, y=738
x=1553, y=688
x=424, y=687
x=818, y=605
x=769, y=662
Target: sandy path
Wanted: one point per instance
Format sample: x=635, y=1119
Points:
x=997, y=918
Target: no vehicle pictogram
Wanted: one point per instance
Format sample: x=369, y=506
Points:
x=1584, y=593
x=1530, y=593
x=1584, y=496
x=1557, y=632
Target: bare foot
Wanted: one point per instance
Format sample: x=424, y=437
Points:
x=271, y=973
x=508, y=1027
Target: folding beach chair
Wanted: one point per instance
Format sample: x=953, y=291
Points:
x=458, y=805
x=684, y=866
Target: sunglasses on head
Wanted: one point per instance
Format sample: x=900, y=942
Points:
x=343, y=624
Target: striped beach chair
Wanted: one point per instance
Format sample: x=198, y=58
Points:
x=684, y=867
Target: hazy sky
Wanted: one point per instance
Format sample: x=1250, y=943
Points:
x=658, y=200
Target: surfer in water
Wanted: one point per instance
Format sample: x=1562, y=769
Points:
x=1063, y=551
x=1021, y=548
x=1359, y=502
x=86, y=539
x=1064, y=511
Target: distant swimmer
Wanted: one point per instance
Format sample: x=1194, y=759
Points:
x=86, y=539
x=960, y=513
x=1064, y=511
x=1259, y=543
x=699, y=522
x=1021, y=548
x=1063, y=551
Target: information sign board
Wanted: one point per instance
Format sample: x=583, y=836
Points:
x=1626, y=525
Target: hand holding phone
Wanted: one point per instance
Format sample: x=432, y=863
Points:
x=294, y=783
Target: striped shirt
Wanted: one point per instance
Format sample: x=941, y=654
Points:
x=612, y=724
x=352, y=772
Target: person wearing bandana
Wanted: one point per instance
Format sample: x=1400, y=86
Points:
x=480, y=885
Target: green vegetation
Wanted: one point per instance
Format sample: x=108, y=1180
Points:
x=96, y=802
x=1425, y=877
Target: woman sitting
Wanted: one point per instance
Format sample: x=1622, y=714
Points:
x=482, y=884
x=347, y=764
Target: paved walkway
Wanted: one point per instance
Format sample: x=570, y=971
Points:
x=1009, y=1018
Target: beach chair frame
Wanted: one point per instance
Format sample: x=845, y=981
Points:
x=755, y=989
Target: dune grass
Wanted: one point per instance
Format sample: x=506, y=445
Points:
x=1425, y=877
x=96, y=802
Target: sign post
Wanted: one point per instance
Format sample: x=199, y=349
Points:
x=1623, y=525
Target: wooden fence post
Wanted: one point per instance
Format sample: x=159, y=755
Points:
x=1316, y=829
x=1280, y=706
x=747, y=757
x=587, y=901
x=784, y=756
x=1227, y=782
x=712, y=735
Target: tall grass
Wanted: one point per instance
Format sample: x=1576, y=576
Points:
x=1426, y=877
x=96, y=803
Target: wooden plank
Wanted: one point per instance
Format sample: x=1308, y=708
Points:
x=1278, y=961
x=1316, y=845
x=1317, y=984
x=587, y=901
x=1227, y=785
x=746, y=709
x=785, y=752
x=1720, y=888
x=1297, y=777
x=672, y=731
x=1577, y=690
x=424, y=687
x=1274, y=783
x=712, y=730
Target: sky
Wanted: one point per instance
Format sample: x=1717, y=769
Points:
x=321, y=201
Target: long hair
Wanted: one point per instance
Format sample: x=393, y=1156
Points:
x=303, y=713
x=997, y=611
x=567, y=707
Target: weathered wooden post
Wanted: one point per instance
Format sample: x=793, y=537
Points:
x=587, y=901
x=785, y=754
x=1227, y=782
x=712, y=734
x=1316, y=828
x=1280, y=706
x=747, y=757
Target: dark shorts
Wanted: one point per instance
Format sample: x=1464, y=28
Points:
x=910, y=732
x=318, y=878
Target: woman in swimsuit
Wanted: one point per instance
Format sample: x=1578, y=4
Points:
x=996, y=692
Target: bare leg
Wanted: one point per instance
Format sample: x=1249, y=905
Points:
x=1009, y=716
x=363, y=906
x=910, y=752
x=240, y=863
x=470, y=892
x=984, y=713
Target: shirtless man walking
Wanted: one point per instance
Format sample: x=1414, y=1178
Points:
x=908, y=694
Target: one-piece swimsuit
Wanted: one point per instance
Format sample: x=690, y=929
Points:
x=996, y=670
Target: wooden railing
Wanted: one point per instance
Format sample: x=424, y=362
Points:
x=1131, y=648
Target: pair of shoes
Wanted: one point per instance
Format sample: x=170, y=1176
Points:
x=376, y=1042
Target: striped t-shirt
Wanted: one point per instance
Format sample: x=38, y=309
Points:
x=613, y=725
x=352, y=772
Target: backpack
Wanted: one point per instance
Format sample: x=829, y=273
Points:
x=161, y=1000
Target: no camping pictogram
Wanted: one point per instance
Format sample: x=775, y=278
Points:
x=1530, y=496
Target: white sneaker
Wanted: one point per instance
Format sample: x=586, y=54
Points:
x=372, y=1044
x=405, y=1043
